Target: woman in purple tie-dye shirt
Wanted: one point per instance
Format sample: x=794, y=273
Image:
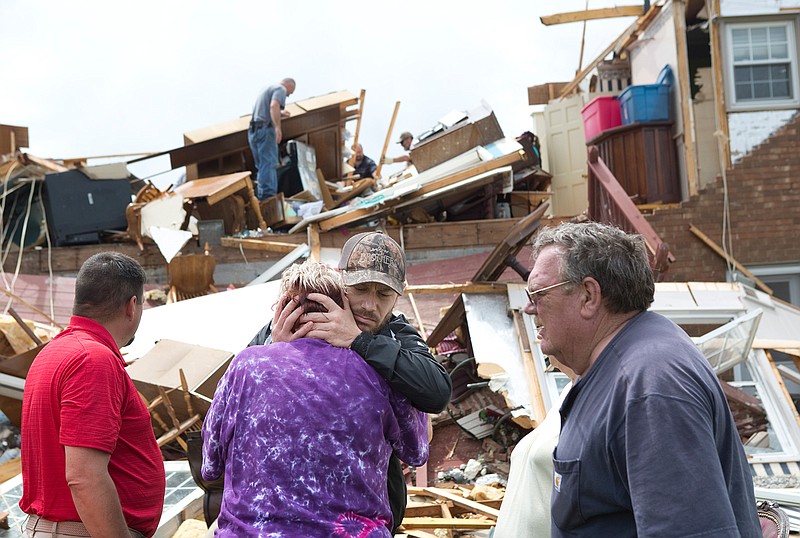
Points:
x=303, y=432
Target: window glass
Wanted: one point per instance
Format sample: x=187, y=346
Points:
x=763, y=58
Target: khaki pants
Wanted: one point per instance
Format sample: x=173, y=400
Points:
x=38, y=527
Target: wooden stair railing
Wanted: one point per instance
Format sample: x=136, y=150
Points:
x=610, y=204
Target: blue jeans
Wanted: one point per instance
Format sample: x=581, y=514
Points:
x=265, y=153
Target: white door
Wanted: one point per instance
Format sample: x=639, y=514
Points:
x=566, y=151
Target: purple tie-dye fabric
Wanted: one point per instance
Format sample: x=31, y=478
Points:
x=303, y=431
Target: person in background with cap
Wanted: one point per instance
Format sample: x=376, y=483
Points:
x=405, y=140
x=374, y=269
x=265, y=134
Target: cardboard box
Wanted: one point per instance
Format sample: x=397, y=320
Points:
x=160, y=367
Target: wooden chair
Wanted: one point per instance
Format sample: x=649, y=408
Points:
x=179, y=428
x=133, y=213
x=191, y=275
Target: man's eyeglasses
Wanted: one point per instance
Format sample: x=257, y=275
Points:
x=535, y=295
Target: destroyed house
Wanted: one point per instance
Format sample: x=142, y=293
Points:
x=684, y=130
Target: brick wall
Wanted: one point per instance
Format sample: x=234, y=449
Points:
x=764, y=196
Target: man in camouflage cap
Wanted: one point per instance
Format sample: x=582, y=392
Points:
x=374, y=270
x=405, y=140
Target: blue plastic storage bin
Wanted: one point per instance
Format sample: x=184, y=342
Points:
x=647, y=102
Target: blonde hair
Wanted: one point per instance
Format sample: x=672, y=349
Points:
x=311, y=277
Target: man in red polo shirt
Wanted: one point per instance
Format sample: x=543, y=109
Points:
x=90, y=462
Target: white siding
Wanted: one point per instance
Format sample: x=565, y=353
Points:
x=749, y=129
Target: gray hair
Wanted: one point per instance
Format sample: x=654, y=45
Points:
x=105, y=283
x=289, y=80
x=615, y=259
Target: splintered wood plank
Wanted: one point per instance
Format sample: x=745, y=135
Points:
x=322, y=101
x=790, y=347
x=10, y=469
x=458, y=500
x=258, y=244
x=447, y=515
x=592, y=14
x=716, y=248
x=778, y=371
x=420, y=534
x=442, y=523
x=534, y=389
x=213, y=189
x=467, y=287
x=423, y=509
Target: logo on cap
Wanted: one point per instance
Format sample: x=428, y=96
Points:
x=373, y=257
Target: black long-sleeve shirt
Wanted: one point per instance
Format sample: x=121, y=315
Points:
x=400, y=355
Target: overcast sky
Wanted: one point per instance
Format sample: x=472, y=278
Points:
x=95, y=78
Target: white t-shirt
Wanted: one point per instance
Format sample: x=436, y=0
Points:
x=525, y=511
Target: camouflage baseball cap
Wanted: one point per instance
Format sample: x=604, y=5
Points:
x=373, y=257
x=403, y=136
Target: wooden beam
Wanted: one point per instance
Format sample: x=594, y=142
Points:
x=423, y=509
x=623, y=40
x=770, y=343
x=459, y=500
x=442, y=523
x=24, y=326
x=716, y=248
x=314, y=243
x=29, y=305
x=388, y=138
x=421, y=325
x=718, y=78
x=327, y=199
x=258, y=244
x=685, y=92
x=420, y=534
x=583, y=40
x=779, y=371
x=535, y=391
x=594, y=63
x=466, y=287
x=592, y=14
x=360, y=113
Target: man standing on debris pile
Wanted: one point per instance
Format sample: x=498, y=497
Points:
x=648, y=445
x=90, y=462
x=374, y=270
x=265, y=134
x=304, y=431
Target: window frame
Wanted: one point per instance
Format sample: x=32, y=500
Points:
x=730, y=80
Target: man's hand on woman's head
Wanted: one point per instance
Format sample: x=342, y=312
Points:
x=285, y=319
x=336, y=326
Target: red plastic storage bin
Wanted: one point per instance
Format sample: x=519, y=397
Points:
x=601, y=114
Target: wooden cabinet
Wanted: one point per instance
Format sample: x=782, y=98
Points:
x=642, y=158
x=454, y=141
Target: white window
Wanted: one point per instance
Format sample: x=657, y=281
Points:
x=762, y=65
